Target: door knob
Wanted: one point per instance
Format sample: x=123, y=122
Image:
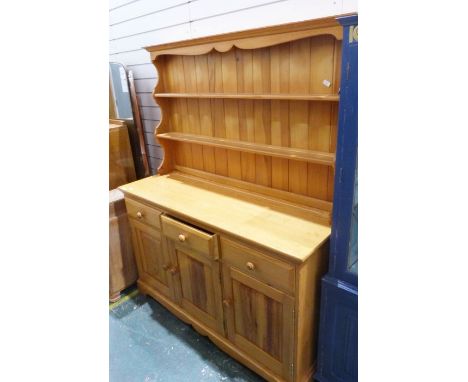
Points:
x=174, y=270
x=227, y=302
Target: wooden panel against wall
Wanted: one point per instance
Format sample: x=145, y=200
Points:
x=302, y=67
x=270, y=70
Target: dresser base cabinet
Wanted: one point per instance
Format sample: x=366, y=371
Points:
x=257, y=306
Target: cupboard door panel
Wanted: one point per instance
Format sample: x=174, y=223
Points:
x=197, y=284
x=151, y=258
x=256, y=317
x=260, y=320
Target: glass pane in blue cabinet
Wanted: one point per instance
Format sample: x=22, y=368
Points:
x=353, y=242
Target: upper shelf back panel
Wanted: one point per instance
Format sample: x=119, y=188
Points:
x=304, y=67
x=255, y=109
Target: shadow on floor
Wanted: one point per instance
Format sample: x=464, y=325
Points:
x=148, y=343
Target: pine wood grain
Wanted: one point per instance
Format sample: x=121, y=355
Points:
x=206, y=121
x=323, y=208
x=320, y=157
x=308, y=292
x=265, y=96
x=195, y=271
x=259, y=320
x=250, y=217
x=251, y=39
x=273, y=96
x=151, y=258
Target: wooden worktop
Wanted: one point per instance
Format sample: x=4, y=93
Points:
x=280, y=226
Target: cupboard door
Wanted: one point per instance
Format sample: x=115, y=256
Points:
x=197, y=285
x=152, y=261
x=260, y=320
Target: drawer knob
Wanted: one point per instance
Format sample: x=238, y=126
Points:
x=182, y=237
x=250, y=266
x=174, y=270
x=139, y=215
x=227, y=302
x=166, y=266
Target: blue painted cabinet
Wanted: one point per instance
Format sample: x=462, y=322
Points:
x=338, y=344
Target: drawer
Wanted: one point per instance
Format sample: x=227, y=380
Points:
x=187, y=236
x=143, y=213
x=271, y=271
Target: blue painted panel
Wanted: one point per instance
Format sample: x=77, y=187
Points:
x=346, y=155
x=338, y=338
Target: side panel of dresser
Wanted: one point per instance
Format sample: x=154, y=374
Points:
x=151, y=257
x=270, y=305
x=309, y=275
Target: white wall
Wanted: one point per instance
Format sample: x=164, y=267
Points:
x=138, y=23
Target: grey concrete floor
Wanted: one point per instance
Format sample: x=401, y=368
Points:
x=148, y=343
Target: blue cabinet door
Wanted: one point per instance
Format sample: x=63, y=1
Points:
x=338, y=339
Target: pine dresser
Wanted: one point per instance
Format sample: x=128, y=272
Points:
x=232, y=235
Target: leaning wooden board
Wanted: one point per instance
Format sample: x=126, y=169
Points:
x=121, y=166
x=232, y=235
x=122, y=267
